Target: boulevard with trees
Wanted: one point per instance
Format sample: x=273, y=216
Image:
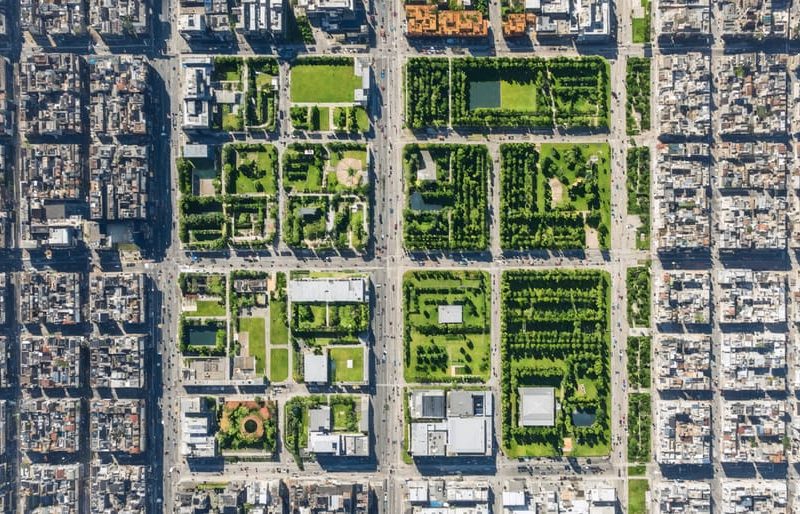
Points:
x=637, y=105
x=638, y=285
x=555, y=333
x=638, y=184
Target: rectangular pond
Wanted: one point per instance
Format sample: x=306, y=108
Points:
x=202, y=336
x=484, y=95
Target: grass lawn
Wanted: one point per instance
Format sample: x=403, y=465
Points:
x=444, y=352
x=599, y=151
x=323, y=84
x=641, y=26
x=340, y=356
x=637, y=499
x=257, y=347
x=518, y=96
x=263, y=81
x=362, y=119
x=637, y=471
x=264, y=175
x=278, y=323
x=278, y=364
x=231, y=122
x=342, y=416
x=208, y=308
x=324, y=119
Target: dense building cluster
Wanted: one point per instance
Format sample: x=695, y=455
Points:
x=65, y=185
x=117, y=298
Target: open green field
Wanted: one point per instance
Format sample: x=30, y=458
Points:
x=641, y=26
x=208, y=308
x=556, y=335
x=637, y=496
x=339, y=357
x=278, y=364
x=319, y=83
x=256, y=345
x=518, y=96
x=555, y=196
x=278, y=323
x=446, y=352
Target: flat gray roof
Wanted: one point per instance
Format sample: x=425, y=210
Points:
x=328, y=290
x=537, y=406
x=315, y=368
x=451, y=314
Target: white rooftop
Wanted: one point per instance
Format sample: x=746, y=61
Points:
x=537, y=406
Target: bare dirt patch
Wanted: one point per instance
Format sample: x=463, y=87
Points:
x=349, y=172
x=557, y=190
x=592, y=238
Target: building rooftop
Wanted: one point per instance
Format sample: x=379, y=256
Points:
x=117, y=298
x=683, y=362
x=681, y=211
x=328, y=290
x=51, y=298
x=118, y=18
x=315, y=368
x=683, y=297
x=746, y=296
x=759, y=496
x=537, y=406
x=42, y=486
x=682, y=497
x=683, y=432
x=447, y=423
x=684, y=94
x=118, y=488
x=118, y=425
x=451, y=314
x=753, y=361
x=753, y=431
x=430, y=21
x=50, y=361
x=50, y=425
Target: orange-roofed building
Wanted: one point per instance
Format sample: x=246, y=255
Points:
x=427, y=20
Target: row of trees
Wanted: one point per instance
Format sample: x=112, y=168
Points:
x=639, y=361
x=637, y=106
x=575, y=332
x=185, y=327
x=638, y=184
x=260, y=103
x=639, y=421
x=427, y=92
x=570, y=92
x=638, y=285
x=530, y=220
x=460, y=203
